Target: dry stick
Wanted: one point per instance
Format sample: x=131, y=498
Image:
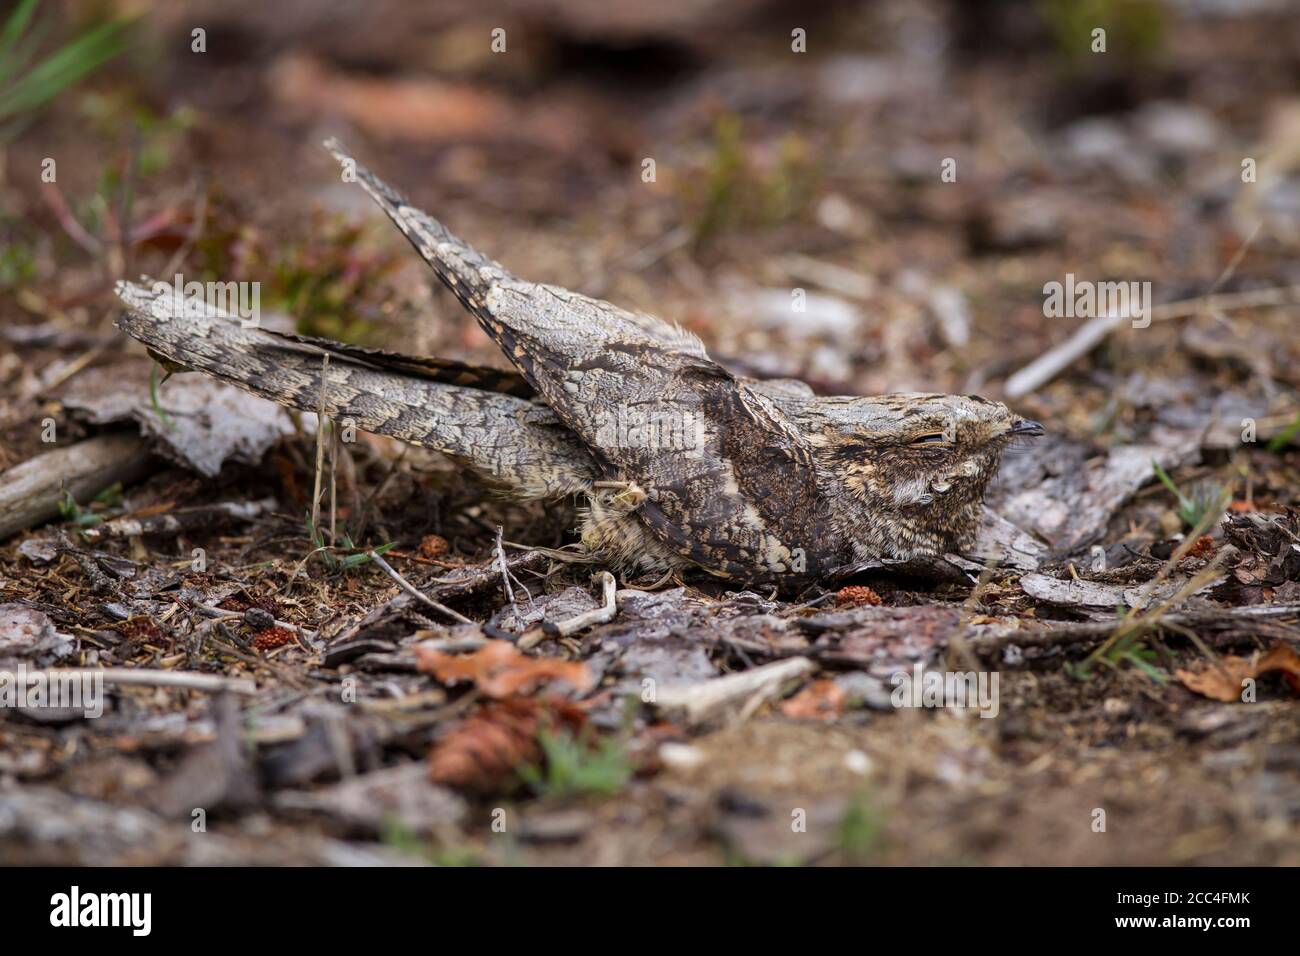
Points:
x=72, y=368
x=505, y=572
x=698, y=702
x=1052, y=362
x=75, y=230
x=567, y=628
x=126, y=200
x=1231, y=268
x=958, y=644
x=230, y=650
x=30, y=492
x=508, y=576
x=334, y=463
x=1078, y=633
x=123, y=676
x=1091, y=334
x=181, y=520
x=557, y=554
x=320, y=444
x=410, y=589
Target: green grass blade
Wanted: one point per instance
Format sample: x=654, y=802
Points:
x=63, y=68
x=11, y=59
x=1183, y=500
x=1285, y=436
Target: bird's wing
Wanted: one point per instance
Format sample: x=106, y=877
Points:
x=446, y=371
x=516, y=444
x=731, y=484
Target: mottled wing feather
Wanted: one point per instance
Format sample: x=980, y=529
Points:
x=447, y=371
x=517, y=444
x=738, y=496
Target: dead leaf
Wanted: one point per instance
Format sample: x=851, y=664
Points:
x=1223, y=680
x=820, y=700
x=149, y=511
x=499, y=671
x=484, y=752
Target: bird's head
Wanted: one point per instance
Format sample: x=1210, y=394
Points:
x=907, y=472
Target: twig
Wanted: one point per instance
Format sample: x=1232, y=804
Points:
x=557, y=554
x=320, y=444
x=505, y=572
x=1137, y=622
x=126, y=200
x=184, y=519
x=75, y=230
x=1089, y=335
x=334, y=501
x=364, y=520
x=795, y=608
x=1080, y=633
x=699, y=702
x=125, y=676
x=410, y=589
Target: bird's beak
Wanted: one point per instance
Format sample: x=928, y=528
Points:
x=1027, y=428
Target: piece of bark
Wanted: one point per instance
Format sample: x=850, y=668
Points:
x=30, y=492
x=370, y=802
x=196, y=422
x=1100, y=594
x=28, y=635
x=213, y=776
x=1074, y=494
x=698, y=703
x=881, y=640
x=1003, y=544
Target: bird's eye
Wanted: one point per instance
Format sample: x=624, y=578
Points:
x=936, y=438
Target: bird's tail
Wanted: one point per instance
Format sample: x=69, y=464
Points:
x=514, y=443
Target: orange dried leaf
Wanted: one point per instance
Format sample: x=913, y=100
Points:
x=499, y=670
x=1283, y=659
x=486, y=750
x=820, y=700
x=1223, y=680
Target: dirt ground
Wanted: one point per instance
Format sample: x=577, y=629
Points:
x=919, y=172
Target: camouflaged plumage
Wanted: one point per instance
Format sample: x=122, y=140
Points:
x=678, y=463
